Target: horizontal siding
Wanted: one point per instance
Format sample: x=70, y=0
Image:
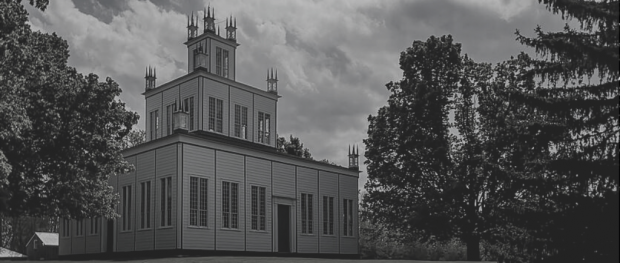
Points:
x=258, y=174
x=307, y=183
x=328, y=186
x=77, y=245
x=126, y=239
x=166, y=166
x=348, y=190
x=217, y=90
x=64, y=243
x=283, y=180
x=229, y=167
x=145, y=172
x=198, y=162
x=93, y=243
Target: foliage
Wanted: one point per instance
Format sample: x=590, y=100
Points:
x=293, y=147
x=134, y=138
x=565, y=126
x=61, y=132
x=423, y=180
x=17, y=231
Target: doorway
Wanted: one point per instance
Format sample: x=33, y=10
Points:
x=284, y=226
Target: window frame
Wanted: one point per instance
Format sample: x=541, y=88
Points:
x=170, y=108
x=145, y=204
x=328, y=215
x=126, y=207
x=165, y=198
x=258, y=208
x=94, y=226
x=240, y=122
x=216, y=115
x=230, y=205
x=154, y=123
x=190, y=108
x=218, y=61
x=307, y=216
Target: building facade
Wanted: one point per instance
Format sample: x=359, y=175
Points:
x=210, y=178
x=42, y=245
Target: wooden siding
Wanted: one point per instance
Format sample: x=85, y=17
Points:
x=145, y=172
x=77, y=244
x=242, y=98
x=258, y=173
x=268, y=106
x=153, y=103
x=170, y=96
x=190, y=89
x=64, y=243
x=328, y=186
x=348, y=190
x=217, y=90
x=126, y=239
x=229, y=167
x=307, y=180
x=198, y=162
x=93, y=242
x=165, y=166
x=283, y=180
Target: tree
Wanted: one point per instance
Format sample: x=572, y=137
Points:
x=61, y=133
x=423, y=180
x=135, y=137
x=293, y=147
x=568, y=178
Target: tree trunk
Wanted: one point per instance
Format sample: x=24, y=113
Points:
x=473, y=248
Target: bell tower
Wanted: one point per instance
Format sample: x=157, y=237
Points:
x=209, y=51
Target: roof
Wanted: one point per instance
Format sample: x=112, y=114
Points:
x=7, y=253
x=48, y=239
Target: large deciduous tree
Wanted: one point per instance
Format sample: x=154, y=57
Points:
x=425, y=177
x=567, y=181
x=61, y=132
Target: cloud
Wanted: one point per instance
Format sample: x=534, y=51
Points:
x=333, y=57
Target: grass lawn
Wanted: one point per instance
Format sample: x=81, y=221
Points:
x=255, y=260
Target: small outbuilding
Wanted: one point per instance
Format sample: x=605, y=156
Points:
x=42, y=245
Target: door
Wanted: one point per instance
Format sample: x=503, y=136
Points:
x=284, y=226
x=110, y=240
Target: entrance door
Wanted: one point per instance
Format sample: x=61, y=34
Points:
x=284, y=231
x=110, y=241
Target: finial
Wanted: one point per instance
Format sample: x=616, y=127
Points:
x=187, y=20
x=154, y=72
x=204, y=13
x=276, y=74
x=267, y=74
x=349, y=149
x=146, y=72
x=218, y=30
x=235, y=22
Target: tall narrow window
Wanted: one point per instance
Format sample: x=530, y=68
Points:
x=145, y=205
x=306, y=213
x=262, y=208
x=258, y=208
x=94, y=226
x=225, y=63
x=261, y=127
x=169, y=120
x=189, y=108
x=126, y=209
x=203, y=202
x=66, y=227
x=241, y=121
x=230, y=205
x=79, y=227
x=216, y=114
x=218, y=61
x=193, y=201
x=154, y=125
x=267, y=128
x=166, y=201
x=347, y=209
x=328, y=215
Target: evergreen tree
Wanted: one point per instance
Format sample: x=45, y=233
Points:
x=566, y=182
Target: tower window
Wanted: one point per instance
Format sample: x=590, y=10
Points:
x=241, y=121
x=264, y=128
x=218, y=61
x=225, y=63
x=216, y=114
x=154, y=125
x=188, y=103
x=169, y=119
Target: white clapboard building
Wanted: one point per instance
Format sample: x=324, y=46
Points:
x=210, y=178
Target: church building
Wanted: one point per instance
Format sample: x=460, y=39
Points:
x=209, y=177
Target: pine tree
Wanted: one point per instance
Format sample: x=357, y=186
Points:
x=566, y=184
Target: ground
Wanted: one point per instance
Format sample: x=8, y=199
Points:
x=258, y=260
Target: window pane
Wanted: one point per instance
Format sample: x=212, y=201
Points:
x=193, y=201
x=234, y=205
x=303, y=214
x=203, y=202
x=310, y=215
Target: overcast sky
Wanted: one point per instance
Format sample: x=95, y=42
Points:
x=333, y=57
